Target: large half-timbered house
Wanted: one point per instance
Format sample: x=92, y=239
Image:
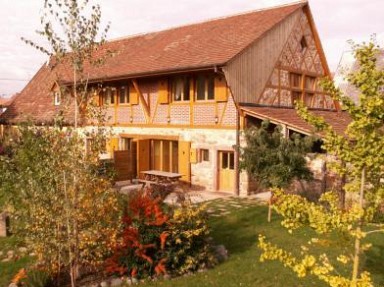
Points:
x=177, y=100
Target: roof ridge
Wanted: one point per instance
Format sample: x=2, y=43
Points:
x=302, y=2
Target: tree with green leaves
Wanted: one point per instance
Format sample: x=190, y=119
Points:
x=62, y=206
x=274, y=161
x=359, y=155
x=74, y=34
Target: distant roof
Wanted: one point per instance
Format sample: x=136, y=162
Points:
x=288, y=116
x=202, y=45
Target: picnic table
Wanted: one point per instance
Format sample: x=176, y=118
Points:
x=159, y=177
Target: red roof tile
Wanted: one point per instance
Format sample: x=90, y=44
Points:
x=197, y=46
x=201, y=45
x=338, y=120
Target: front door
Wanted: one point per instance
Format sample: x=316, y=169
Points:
x=226, y=171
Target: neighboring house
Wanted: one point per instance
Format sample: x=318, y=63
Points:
x=347, y=65
x=178, y=99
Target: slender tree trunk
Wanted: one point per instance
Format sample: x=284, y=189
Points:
x=356, y=258
x=75, y=96
x=341, y=189
x=70, y=247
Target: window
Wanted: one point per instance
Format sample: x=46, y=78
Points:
x=125, y=143
x=310, y=83
x=296, y=96
x=108, y=96
x=303, y=44
x=57, y=98
x=295, y=80
x=180, y=89
x=309, y=99
x=205, y=88
x=204, y=155
x=124, y=95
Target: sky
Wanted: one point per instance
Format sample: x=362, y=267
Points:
x=337, y=21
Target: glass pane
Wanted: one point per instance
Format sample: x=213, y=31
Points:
x=156, y=159
x=166, y=156
x=295, y=80
x=186, y=89
x=200, y=88
x=211, y=88
x=123, y=95
x=232, y=160
x=175, y=156
x=177, y=89
x=310, y=83
x=224, y=160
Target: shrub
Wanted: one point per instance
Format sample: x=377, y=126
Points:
x=158, y=239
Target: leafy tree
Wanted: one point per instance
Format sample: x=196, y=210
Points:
x=360, y=156
x=72, y=29
x=272, y=160
x=62, y=206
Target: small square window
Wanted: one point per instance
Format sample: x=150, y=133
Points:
x=295, y=80
x=57, y=98
x=204, y=155
x=303, y=44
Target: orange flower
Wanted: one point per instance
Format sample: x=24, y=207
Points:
x=163, y=238
x=160, y=267
x=19, y=275
x=134, y=272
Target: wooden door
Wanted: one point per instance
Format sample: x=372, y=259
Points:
x=143, y=155
x=184, y=163
x=226, y=170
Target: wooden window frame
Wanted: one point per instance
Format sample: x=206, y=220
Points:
x=57, y=98
x=104, y=96
x=185, y=89
x=208, y=79
x=204, y=155
x=127, y=97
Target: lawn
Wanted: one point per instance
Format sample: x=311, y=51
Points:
x=236, y=224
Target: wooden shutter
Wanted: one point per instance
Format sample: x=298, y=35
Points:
x=163, y=92
x=221, y=91
x=112, y=145
x=193, y=156
x=143, y=155
x=133, y=95
x=184, y=160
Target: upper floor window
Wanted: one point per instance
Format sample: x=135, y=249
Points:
x=310, y=83
x=108, y=96
x=124, y=95
x=303, y=44
x=295, y=80
x=57, y=98
x=205, y=87
x=180, y=89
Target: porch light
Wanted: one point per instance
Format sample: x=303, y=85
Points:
x=216, y=119
x=131, y=119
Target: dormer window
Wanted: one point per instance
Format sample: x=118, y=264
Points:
x=57, y=98
x=303, y=44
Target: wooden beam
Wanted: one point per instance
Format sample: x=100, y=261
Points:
x=143, y=102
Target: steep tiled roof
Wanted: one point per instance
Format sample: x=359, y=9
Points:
x=338, y=120
x=201, y=45
x=198, y=46
x=35, y=102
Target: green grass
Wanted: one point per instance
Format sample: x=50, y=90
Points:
x=238, y=232
x=9, y=269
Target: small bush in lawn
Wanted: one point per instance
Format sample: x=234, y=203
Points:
x=187, y=246
x=157, y=239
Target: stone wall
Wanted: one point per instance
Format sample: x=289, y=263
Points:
x=203, y=174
